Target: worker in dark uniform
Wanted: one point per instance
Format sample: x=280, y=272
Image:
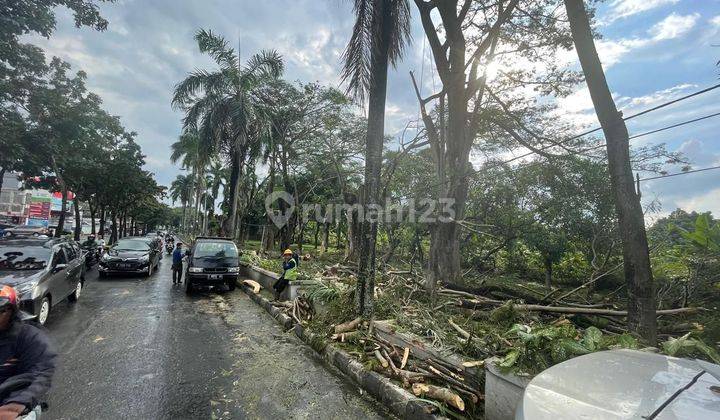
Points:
x=25, y=352
x=177, y=265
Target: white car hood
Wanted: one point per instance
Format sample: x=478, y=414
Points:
x=620, y=384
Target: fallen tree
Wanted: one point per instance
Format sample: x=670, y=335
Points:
x=477, y=304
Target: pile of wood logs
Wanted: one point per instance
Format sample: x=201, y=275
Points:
x=299, y=308
x=430, y=378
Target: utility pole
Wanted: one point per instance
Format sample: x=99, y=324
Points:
x=636, y=257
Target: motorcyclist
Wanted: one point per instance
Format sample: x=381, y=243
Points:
x=24, y=350
x=90, y=242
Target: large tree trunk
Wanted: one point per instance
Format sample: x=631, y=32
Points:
x=78, y=224
x=548, y=272
x=113, y=228
x=326, y=237
x=638, y=274
x=2, y=176
x=93, y=210
x=373, y=159
x=102, y=221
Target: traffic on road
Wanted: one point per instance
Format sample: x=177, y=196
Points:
x=129, y=340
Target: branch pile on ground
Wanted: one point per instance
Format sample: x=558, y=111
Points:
x=429, y=379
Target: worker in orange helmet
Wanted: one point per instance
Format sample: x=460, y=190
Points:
x=290, y=264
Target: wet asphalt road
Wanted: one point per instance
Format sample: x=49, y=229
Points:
x=141, y=348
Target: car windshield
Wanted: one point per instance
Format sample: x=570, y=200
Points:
x=24, y=257
x=215, y=250
x=129, y=245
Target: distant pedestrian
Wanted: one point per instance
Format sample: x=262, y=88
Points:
x=177, y=257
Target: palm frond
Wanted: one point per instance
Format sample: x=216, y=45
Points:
x=357, y=54
x=216, y=47
x=377, y=22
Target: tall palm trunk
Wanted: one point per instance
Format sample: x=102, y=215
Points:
x=235, y=178
x=199, y=187
x=373, y=159
x=636, y=257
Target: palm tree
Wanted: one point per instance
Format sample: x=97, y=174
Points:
x=181, y=190
x=220, y=104
x=195, y=153
x=380, y=34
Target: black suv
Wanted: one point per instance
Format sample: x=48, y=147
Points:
x=212, y=262
x=43, y=271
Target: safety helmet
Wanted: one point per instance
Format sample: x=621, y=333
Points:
x=287, y=252
x=91, y=236
x=8, y=297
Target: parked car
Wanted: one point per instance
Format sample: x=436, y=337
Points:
x=212, y=262
x=4, y=226
x=26, y=231
x=130, y=255
x=43, y=271
x=156, y=243
x=623, y=384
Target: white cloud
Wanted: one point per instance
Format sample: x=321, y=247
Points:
x=624, y=8
x=653, y=98
x=673, y=26
x=709, y=201
x=715, y=21
x=611, y=52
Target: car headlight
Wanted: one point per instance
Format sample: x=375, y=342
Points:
x=195, y=269
x=27, y=289
x=233, y=269
x=144, y=258
x=105, y=257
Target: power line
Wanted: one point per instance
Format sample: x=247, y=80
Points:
x=680, y=173
x=584, y=133
x=663, y=105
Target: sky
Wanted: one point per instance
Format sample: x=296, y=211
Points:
x=652, y=51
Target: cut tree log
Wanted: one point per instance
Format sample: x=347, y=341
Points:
x=568, y=310
x=474, y=363
x=440, y=394
x=253, y=284
x=348, y=326
x=406, y=354
x=381, y=359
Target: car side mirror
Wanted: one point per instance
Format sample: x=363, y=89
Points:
x=59, y=267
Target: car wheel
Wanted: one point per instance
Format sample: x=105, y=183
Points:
x=231, y=285
x=188, y=286
x=75, y=295
x=44, y=311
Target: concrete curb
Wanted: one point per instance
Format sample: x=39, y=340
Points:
x=399, y=401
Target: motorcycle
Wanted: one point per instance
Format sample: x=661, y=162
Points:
x=169, y=248
x=92, y=255
x=17, y=383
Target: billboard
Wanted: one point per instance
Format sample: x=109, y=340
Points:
x=56, y=204
x=39, y=211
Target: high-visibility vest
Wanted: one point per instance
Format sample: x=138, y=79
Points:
x=291, y=272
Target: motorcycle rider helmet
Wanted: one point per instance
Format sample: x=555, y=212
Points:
x=8, y=298
x=91, y=237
